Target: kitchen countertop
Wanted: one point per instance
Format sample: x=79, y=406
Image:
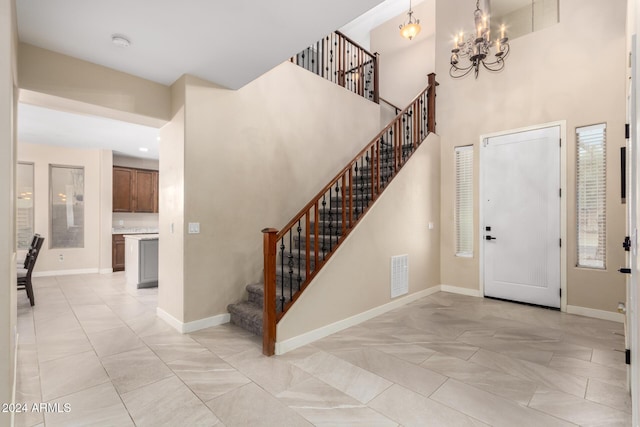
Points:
x=142, y=236
x=134, y=230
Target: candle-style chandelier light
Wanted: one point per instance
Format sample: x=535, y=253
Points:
x=475, y=49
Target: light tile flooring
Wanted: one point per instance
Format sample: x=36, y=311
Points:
x=445, y=360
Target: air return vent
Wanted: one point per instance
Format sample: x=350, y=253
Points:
x=399, y=275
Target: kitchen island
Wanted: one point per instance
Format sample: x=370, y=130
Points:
x=141, y=260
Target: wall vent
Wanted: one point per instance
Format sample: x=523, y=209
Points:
x=399, y=275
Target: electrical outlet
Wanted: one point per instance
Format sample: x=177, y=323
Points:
x=61, y=258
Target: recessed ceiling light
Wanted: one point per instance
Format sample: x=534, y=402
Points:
x=143, y=149
x=120, y=40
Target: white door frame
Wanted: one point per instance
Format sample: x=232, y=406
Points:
x=563, y=202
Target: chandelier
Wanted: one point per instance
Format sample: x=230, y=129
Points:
x=475, y=49
x=412, y=27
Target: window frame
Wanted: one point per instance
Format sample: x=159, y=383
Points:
x=599, y=201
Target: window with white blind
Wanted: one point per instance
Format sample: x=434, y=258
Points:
x=591, y=195
x=464, y=201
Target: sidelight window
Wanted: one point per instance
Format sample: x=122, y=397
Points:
x=464, y=201
x=591, y=195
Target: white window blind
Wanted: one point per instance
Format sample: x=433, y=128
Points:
x=591, y=195
x=464, y=201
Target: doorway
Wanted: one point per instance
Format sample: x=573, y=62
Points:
x=521, y=216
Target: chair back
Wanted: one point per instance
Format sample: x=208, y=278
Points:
x=32, y=256
x=34, y=241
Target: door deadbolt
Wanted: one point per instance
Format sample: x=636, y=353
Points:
x=490, y=238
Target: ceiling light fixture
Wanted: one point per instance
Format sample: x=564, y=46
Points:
x=411, y=28
x=143, y=149
x=120, y=40
x=476, y=48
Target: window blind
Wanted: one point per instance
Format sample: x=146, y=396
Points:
x=464, y=201
x=591, y=195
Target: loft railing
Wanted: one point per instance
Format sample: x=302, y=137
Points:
x=339, y=59
x=294, y=255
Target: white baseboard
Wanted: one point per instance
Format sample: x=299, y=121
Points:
x=461, y=291
x=311, y=336
x=106, y=270
x=65, y=272
x=196, y=325
x=207, y=322
x=597, y=314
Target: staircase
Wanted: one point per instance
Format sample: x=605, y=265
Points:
x=296, y=253
x=291, y=268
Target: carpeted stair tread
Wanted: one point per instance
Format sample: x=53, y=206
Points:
x=247, y=315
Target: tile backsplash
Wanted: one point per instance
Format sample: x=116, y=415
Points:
x=131, y=220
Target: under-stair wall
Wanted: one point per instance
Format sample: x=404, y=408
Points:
x=253, y=157
x=355, y=283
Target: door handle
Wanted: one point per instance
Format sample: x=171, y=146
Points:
x=624, y=270
x=490, y=238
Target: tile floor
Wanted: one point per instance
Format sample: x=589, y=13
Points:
x=445, y=360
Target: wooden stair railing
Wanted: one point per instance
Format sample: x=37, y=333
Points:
x=294, y=255
x=339, y=59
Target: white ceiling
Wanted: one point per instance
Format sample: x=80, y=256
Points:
x=227, y=42
x=39, y=125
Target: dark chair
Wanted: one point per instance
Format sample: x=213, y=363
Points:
x=23, y=264
x=24, y=274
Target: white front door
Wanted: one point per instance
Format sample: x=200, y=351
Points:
x=521, y=215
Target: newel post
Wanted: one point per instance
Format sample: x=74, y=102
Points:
x=269, y=303
x=376, y=79
x=431, y=103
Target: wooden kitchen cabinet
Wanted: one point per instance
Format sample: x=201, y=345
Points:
x=145, y=192
x=123, y=189
x=135, y=190
x=117, y=257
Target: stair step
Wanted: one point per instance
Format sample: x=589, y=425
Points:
x=256, y=294
x=300, y=258
x=322, y=238
x=323, y=227
x=247, y=315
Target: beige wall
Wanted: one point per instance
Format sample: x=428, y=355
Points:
x=8, y=109
x=106, y=211
x=356, y=278
x=119, y=95
x=87, y=258
x=405, y=64
x=569, y=71
x=253, y=158
x=171, y=206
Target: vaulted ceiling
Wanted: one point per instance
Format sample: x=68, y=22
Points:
x=227, y=42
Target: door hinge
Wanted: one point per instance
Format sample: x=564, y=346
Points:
x=627, y=356
x=560, y=240
x=560, y=293
x=626, y=130
x=560, y=142
x=560, y=192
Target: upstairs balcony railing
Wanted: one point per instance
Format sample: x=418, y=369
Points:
x=339, y=59
x=294, y=255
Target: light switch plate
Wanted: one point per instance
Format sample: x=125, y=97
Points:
x=194, y=228
x=430, y=225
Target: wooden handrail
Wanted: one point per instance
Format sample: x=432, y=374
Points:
x=398, y=109
x=383, y=160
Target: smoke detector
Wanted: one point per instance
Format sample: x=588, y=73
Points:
x=120, y=40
